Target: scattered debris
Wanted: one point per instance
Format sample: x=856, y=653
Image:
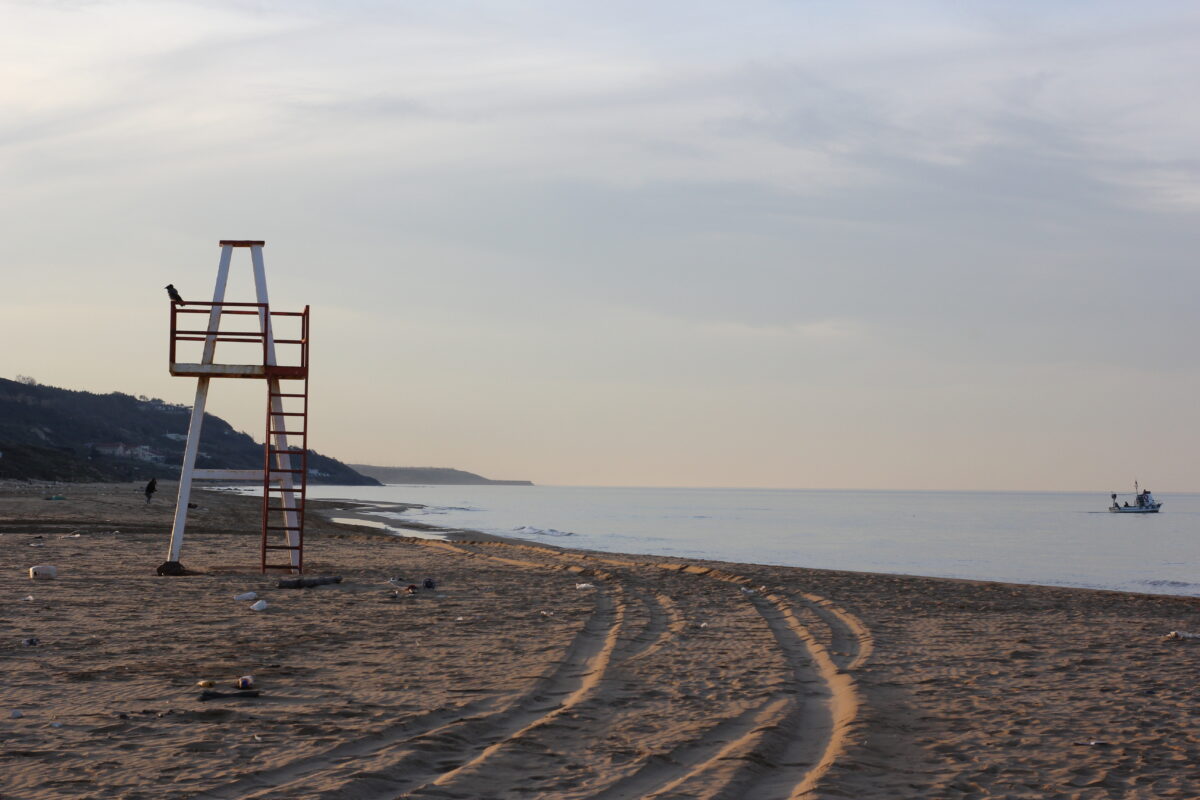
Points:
x=245, y=682
x=17, y=714
x=43, y=572
x=32, y=641
x=55, y=724
x=1092, y=743
x=28, y=598
x=584, y=586
x=206, y=684
x=304, y=583
x=261, y=605
x=1182, y=635
x=429, y=583
x=247, y=596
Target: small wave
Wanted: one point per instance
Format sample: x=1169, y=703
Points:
x=1165, y=582
x=530, y=530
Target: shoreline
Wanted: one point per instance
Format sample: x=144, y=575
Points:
x=530, y=670
x=361, y=516
x=368, y=511
x=346, y=511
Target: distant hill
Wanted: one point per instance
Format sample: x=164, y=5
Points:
x=48, y=433
x=430, y=475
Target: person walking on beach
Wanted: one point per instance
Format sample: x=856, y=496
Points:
x=151, y=488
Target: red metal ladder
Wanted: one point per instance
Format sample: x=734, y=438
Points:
x=285, y=473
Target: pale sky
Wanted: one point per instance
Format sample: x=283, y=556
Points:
x=919, y=245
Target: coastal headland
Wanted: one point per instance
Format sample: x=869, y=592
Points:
x=431, y=476
x=529, y=671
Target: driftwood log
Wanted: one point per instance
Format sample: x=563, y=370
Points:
x=209, y=694
x=304, y=583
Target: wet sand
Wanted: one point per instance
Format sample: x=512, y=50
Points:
x=535, y=672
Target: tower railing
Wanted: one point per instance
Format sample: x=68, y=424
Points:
x=261, y=337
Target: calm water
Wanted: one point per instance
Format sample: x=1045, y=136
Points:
x=1045, y=538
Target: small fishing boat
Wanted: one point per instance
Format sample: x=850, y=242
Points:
x=1143, y=502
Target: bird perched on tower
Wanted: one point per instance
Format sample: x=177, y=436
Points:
x=175, y=298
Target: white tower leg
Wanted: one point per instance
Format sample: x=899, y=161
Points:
x=197, y=421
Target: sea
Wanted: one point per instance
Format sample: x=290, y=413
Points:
x=1046, y=538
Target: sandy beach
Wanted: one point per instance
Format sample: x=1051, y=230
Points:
x=533, y=672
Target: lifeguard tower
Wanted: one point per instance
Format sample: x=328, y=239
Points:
x=283, y=364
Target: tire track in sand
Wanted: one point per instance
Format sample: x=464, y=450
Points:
x=469, y=747
x=783, y=747
x=778, y=749
x=851, y=642
x=666, y=622
x=419, y=752
x=786, y=745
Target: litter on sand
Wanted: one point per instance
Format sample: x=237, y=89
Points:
x=246, y=596
x=584, y=586
x=261, y=605
x=1182, y=635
